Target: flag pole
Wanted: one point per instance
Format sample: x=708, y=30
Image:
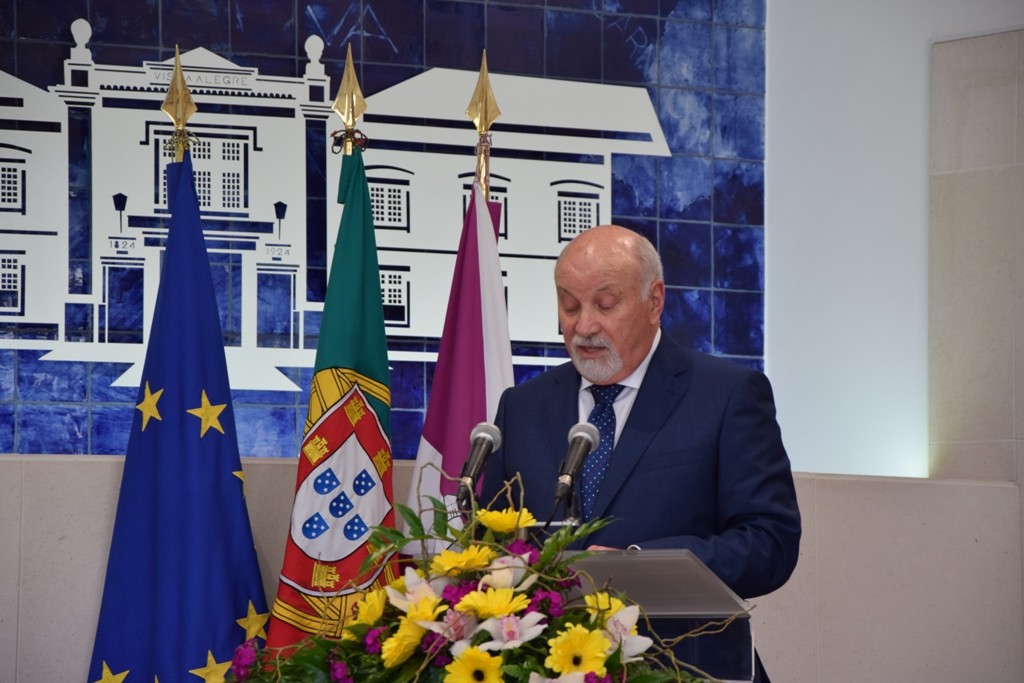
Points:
x=179, y=105
x=349, y=105
x=483, y=110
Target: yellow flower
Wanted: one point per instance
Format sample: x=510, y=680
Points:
x=505, y=521
x=601, y=605
x=473, y=558
x=426, y=609
x=400, y=646
x=474, y=666
x=370, y=609
x=496, y=602
x=577, y=649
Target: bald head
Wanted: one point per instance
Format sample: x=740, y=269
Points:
x=605, y=239
x=610, y=297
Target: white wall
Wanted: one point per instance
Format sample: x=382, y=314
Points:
x=898, y=579
x=847, y=223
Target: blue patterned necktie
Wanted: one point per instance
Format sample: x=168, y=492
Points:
x=602, y=417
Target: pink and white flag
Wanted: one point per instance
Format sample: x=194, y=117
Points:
x=474, y=361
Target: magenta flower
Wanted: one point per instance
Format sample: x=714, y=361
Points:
x=454, y=592
x=245, y=657
x=573, y=581
x=436, y=645
x=592, y=677
x=372, y=640
x=550, y=603
x=519, y=547
x=339, y=672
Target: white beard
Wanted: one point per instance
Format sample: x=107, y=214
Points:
x=597, y=370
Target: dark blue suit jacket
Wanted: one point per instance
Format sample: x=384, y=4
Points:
x=699, y=464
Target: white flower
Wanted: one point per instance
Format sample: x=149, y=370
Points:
x=416, y=588
x=510, y=631
x=620, y=629
x=508, y=571
x=457, y=627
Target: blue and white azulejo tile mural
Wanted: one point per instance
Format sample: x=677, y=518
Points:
x=646, y=113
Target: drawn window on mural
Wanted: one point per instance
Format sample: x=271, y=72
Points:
x=389, y=198
x=11, y=295
x=232, y=150
x=232, y=190
x=224, y=187
x=12, y=188
x=498, y=193
x=390, y=205
x=578, y=209
x=203, y=188
x=394, y=293
x=200, y=149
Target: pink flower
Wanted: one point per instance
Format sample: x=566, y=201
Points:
x=436, y=645
x=245, y=657
x=372, y=640
x=572, y=581
x=454, y=592
x=339, y=672
x=549, y=603
x=519, y=547
x=592, y=677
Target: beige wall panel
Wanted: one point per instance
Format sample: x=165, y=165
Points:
x=919, y=581
x=10, y=563
x=66, y=534
x=974, y=96
x=983, y=460
x=786, y=621
x=1018, y=311
x=971, y=272
x=1020, y=98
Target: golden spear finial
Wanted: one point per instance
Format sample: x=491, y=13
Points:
x=179, y=106
x=483, y=110
x=349, y=104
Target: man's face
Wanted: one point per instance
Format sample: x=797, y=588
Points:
x=607, y=325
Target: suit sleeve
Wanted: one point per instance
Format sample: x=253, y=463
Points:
x=757, y=540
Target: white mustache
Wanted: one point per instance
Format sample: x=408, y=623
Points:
x=596, y=341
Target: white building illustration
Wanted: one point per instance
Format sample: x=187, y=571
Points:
x=84, y=216
x=550, y=170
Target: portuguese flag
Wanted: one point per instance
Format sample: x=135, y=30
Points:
x=343, y=486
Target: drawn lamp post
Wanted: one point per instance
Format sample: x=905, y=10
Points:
x=120, y=201
x=280, y=209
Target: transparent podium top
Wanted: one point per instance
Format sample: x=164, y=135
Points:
x=664, y=582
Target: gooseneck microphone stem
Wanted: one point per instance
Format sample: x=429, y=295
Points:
x=484, y=439
x=583, y=439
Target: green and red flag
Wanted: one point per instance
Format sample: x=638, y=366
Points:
x=343, y=486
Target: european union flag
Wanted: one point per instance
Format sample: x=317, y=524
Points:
x=183, y=586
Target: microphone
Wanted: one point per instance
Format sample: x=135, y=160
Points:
x=583, y=438
x=484, y=439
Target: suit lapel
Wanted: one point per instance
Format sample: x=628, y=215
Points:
x=664, y=385
x=564, y=406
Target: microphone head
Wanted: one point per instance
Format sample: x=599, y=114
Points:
x=587, y=431
x=488, y=431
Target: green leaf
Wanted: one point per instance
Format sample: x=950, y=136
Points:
x=412, y=519
x=440, y=525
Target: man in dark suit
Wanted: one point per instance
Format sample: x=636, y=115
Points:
x=697, y=459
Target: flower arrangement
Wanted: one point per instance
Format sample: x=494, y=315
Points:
x=492, y=607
